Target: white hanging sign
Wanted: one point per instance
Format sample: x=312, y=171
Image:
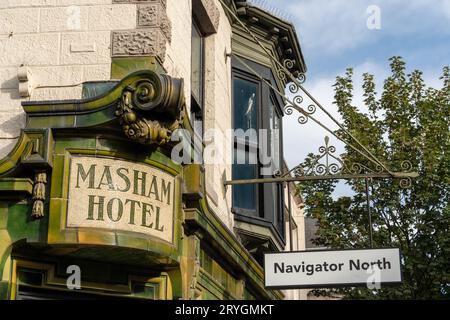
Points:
x=332, y=268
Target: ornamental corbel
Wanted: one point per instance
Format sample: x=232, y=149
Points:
x=151, y=109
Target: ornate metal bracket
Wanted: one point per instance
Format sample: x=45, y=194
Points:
x=150, y=110
x=327, y=166
x=341, y=170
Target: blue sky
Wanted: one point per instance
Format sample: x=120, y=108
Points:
x=334, y=35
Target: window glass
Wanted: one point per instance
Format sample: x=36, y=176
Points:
x=245, y=104
x=255, y=107
x=244, y=196
x=196, y=64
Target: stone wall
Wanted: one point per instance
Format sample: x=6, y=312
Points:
x=217, y=92
x=63, y=43
x=218, y=116
x=298, y=234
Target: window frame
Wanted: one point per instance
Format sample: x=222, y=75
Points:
x=246, y=144
x=198, y=103
x=275, y=220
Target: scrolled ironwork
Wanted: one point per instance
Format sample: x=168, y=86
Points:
x=293, y=88
x=355, y=168
x=326, y=165
x=405, y=183
x=301, y=78
x=298, y=100
x=288, y=110
x=311, y=109
x=302, y=119
x=334, y=168
x=281, y=74
x=288, y=63
x=346, y=136
x=406, y=166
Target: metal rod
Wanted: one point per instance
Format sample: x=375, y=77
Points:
x=369, y=213
x=291, y=242
x=308, y=115
x=325, y=177
x=299, y=85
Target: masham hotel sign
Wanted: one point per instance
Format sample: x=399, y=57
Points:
x=328, y=268
x=121, y=196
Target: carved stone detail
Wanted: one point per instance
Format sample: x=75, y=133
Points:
x=152, y=109
x=140, y=129
x=195, y=293
x=163, y=2
x=149, y=15
x=154, y=30
x=40, y=182
x=213, y=12
x=154, y=15
x=143, y=42
x=207, y=15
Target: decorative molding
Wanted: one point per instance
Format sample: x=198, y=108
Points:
x=154, y=30
x=154, y=15
x=38, y=154
x=123, y=66
x=25, y=84
x=162, y=2
x=143, y=42
x=207, y=15
x=40, y=182
x=151, y=110
x=213, y=12
x=195, y=292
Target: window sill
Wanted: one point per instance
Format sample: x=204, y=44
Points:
x=258, y=232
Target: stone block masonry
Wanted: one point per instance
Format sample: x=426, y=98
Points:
x=67, y=42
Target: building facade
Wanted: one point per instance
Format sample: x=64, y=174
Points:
x=110, y=114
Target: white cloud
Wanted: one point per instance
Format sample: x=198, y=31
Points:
x=327, y=28
x=301, y=139
x=310, y=135
x=330, y=25
x=446, y=8
x=336, y=25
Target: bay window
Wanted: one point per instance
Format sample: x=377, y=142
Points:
x=257, y=149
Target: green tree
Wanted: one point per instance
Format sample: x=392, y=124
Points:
x=407, y=122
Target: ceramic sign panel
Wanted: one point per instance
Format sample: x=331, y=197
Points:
x=122, y=196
